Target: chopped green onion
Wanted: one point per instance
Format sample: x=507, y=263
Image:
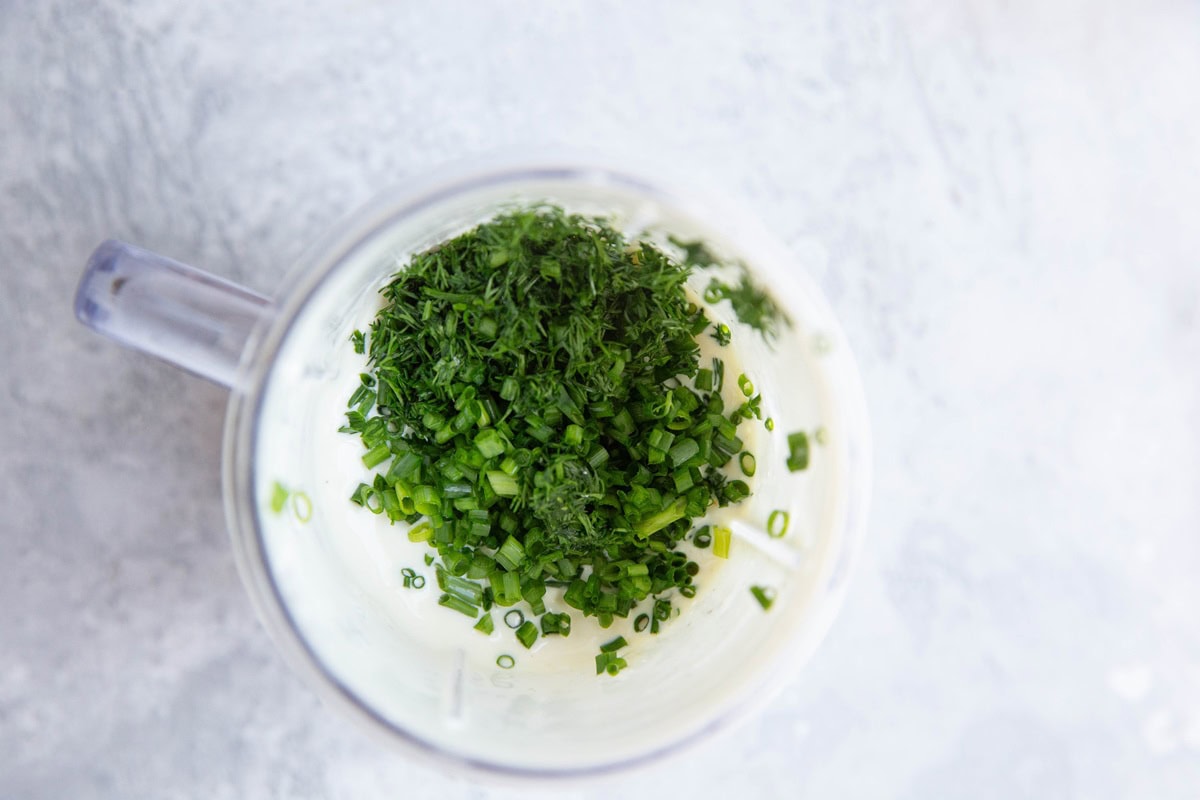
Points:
x=506, y=587
x=421, y=532
x=464, y=589
x=748, y=463
x=777, y=524
x=556, y=624
x=723, y=335
x=704, y=380
x=656, y=522
x=301, y=506
x=610, y=663
x=722, y=536
x=527, y=634
x=797, y=451
x=641, y=622
x=613, y=645
x=703, y=537
x=426, y=500
x=279, y=496
x=503, y=484
x=745, y=385
x=458, y=604
x=573, y=435
x=489, y=443
x=511, y=554
x=769, y=424
x=683, y=450
x=514, y=619
x=359, y=341
x=505, y=661
x=735, y=492
x=764, y=595
x=485, y=624
x=376, y=455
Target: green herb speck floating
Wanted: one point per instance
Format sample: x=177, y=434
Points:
x=535, y=403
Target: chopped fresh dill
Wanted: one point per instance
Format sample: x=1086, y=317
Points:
x=534, y=402
x=751, y=305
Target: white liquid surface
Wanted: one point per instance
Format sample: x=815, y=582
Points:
x=422, y=667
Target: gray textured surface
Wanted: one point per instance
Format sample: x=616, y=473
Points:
x=999, y=198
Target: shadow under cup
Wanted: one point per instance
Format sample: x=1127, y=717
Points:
x=336, y=621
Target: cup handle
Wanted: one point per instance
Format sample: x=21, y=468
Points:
x=172, y=311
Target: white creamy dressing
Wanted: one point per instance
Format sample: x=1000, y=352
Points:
x=425, y=670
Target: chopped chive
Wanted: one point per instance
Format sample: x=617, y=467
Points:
x=421, y=532
x=610, y=663
x=376, y=455
x=683, y=450
x=505, y=661
x=302, y=506
x=359, y=341
x=489, y=443
x=458, y=604
x=573, y=435
x=506, y=587
x=279, y=496
x=656, y=522
x=777, y=524
x=734, y=492
x=511, y=554
x=527, y=634
x=613, y=645
x=748, y=463
x=559, y=624
x=722, y=536
x=360, y=497
x=764, y=595
x=503, y=484
x=797, y=451
x=464, y=589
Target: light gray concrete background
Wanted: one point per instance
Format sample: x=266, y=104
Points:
x=1000, y=199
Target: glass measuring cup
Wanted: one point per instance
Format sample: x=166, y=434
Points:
x=289, y=366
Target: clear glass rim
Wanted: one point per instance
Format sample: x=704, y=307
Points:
x=307, y=278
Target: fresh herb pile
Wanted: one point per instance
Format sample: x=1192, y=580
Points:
x=536, y=385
